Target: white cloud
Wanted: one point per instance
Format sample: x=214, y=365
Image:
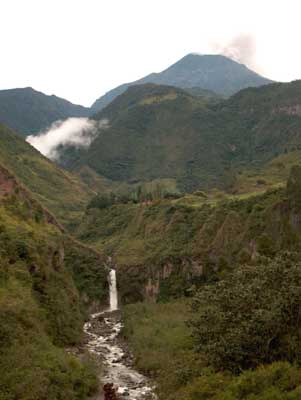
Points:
x=78, y=132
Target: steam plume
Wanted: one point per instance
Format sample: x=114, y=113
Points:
x=78, y=132
x=241, y=48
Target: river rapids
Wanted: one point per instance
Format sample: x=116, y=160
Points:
x=102, y=340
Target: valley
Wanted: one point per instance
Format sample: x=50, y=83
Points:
x=157, y=257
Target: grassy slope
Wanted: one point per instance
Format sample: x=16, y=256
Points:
x=40, y=305
x=61, y=192
x=164, y=349
x=270, y=175
x=162, y=342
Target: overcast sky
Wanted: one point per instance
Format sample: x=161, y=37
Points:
x=79, y=49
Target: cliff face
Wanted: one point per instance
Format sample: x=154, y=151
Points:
x=164, y=248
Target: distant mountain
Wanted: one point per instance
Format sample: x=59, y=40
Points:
x=29, y=111
x=162, y=132
x=211, y=72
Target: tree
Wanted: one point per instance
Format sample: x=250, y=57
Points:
x=251, y=317
x=294, y=186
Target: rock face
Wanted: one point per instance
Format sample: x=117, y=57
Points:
x=172, y=278
x=166, y=248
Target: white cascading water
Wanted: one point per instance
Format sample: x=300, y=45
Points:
x=113, y=290
x=102, y=333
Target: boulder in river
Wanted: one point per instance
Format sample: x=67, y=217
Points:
x=109, y=392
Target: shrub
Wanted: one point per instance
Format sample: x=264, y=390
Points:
x=101, y=201
x=252, y=316
x=277, y=381
x=294, y=186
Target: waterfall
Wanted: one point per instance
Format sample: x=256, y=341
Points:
x=113, y=290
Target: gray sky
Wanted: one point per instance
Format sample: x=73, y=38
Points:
x=79, y=49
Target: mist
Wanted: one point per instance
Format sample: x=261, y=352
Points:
x=241, y=48
x=78, y=132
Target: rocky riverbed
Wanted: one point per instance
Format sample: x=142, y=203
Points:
x=102, y=339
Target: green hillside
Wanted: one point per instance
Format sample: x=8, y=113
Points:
x=161, y=132
x=250, y=316
x=225, y=272
x=147, y=140
x=61, y=192
x=46, y=282
x=168, y=245
x=28, y=111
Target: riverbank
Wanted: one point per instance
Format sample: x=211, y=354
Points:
x=103, y=341
x=162, y=344
x=165, y=349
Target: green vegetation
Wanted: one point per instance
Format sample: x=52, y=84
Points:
x=189, y=242
x=62, y=193
x=136, y=193
x=224, y=262
x=242, y=340
x=137, y=234
x=161, y=132
x=278, y=381
x=87, y=269
x=46, y=280
x=31, y=366
x=162, y=343
x=252, y=316
x=238, y=335
x=164, y=247
x=270, y=175
x=28, y=111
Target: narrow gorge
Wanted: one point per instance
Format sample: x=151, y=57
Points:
x=103, y=341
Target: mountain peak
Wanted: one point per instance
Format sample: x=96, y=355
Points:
x=214, y=72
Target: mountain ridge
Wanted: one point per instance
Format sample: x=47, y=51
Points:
x=29, y=111
x=162, y=132
x=217, y=73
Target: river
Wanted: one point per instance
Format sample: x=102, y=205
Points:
x=102, y=339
